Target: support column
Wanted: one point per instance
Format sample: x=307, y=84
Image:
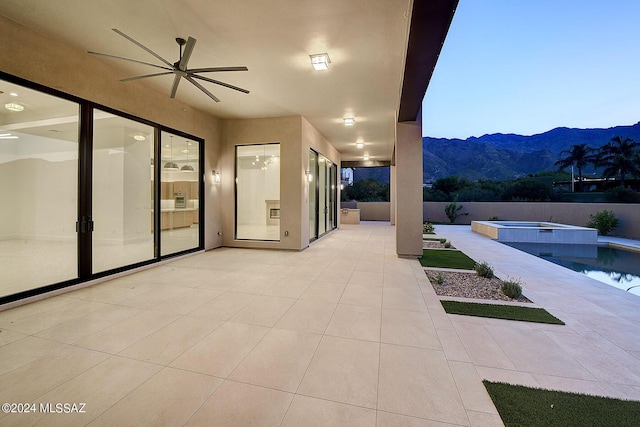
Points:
x=392, y=194
x=408, y=183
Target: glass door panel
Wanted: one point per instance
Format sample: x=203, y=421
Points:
x=39, y=183
x=313, y=205
x=122, y=202
x=179, y=194
x=322, y=195
x=258, y=192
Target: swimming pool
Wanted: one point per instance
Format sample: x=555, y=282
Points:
x=613, y=266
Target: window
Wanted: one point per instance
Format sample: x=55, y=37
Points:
x=258, y=192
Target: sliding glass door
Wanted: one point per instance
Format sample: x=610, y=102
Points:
x=88, y=191
x=39, y=184
x=322, y=195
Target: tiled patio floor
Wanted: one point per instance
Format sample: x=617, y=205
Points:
x=343, y=333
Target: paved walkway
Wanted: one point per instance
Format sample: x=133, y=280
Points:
x=343, y=333
x=597, y=352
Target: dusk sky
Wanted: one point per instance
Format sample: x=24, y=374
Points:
x=528, y=66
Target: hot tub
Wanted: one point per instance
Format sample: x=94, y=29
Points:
x=535, y=232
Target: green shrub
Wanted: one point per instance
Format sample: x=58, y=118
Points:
x=447, y=244
x=604, y=221
x=622, y=195
x=512, y=288
x=443, y=240
x=484, y=269
x=427, y=228
x=439, y=278
x=452, y=210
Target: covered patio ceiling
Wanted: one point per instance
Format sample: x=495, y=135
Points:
x=368, y=43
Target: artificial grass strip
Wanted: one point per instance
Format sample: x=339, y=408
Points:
x=432, y=239
x=525, y=406
x=496, y=311
x=446, y=259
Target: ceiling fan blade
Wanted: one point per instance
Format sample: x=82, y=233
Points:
x=137, y=43
x=186, y=54
x=174, y=87
x=131, y=60
x=215, y=69
x=130, y=79
x=206, y=79
x=202, y=88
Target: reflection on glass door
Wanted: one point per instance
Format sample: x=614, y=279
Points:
x=122, y=202
x=179, y=194
x=258, y=192
x=322, y=205
x=313, y=205
x=39, y=184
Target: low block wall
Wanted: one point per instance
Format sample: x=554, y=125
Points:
x=565, y=213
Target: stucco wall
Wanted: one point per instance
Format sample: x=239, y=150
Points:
x=29, y=55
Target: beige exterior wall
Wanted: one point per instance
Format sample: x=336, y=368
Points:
x=296, y=136
x=374, y=211
x=565, y=213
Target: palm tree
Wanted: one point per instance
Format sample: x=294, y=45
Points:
x=579, y=155
x=619, y=157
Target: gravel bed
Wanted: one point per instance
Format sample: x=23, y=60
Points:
x=470, y=285
x=432, y=244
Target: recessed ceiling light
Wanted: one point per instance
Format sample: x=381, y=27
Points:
x=365, y=157
x=139, y=137
x=320, y=62
x=349, y=121
x=13, y=94
x=359, y=144
x=12, y=106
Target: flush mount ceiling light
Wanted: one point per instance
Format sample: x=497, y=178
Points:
x=365, y=157
x=349, y=121
x=320, y=61
x=139, y=137
x=359, y=144
x=12, y=106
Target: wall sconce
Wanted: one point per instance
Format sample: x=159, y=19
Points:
x=309, y=176
x=217, y=176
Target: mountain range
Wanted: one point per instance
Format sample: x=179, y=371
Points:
x=502, y=156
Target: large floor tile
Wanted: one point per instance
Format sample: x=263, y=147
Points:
x=99, y=388
x=169, y=398
x=354, y=321
x=307, y=316
x=409, y=328
x=24, y=351
x=235, y=404
x=169, y=342
x=76, y=329
x=121, y=335
x=369, y=296
x=387, y=419
x=30, y=381
x=324, y=291
x=279, y=361
x=312, y=412
x=343, y=370
x=418, y=382
x=264, y=311
x=223, y=307
x=220, y=352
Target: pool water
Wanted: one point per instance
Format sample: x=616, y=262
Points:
x=615, y=267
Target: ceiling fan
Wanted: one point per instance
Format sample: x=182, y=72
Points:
x=178, y=68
